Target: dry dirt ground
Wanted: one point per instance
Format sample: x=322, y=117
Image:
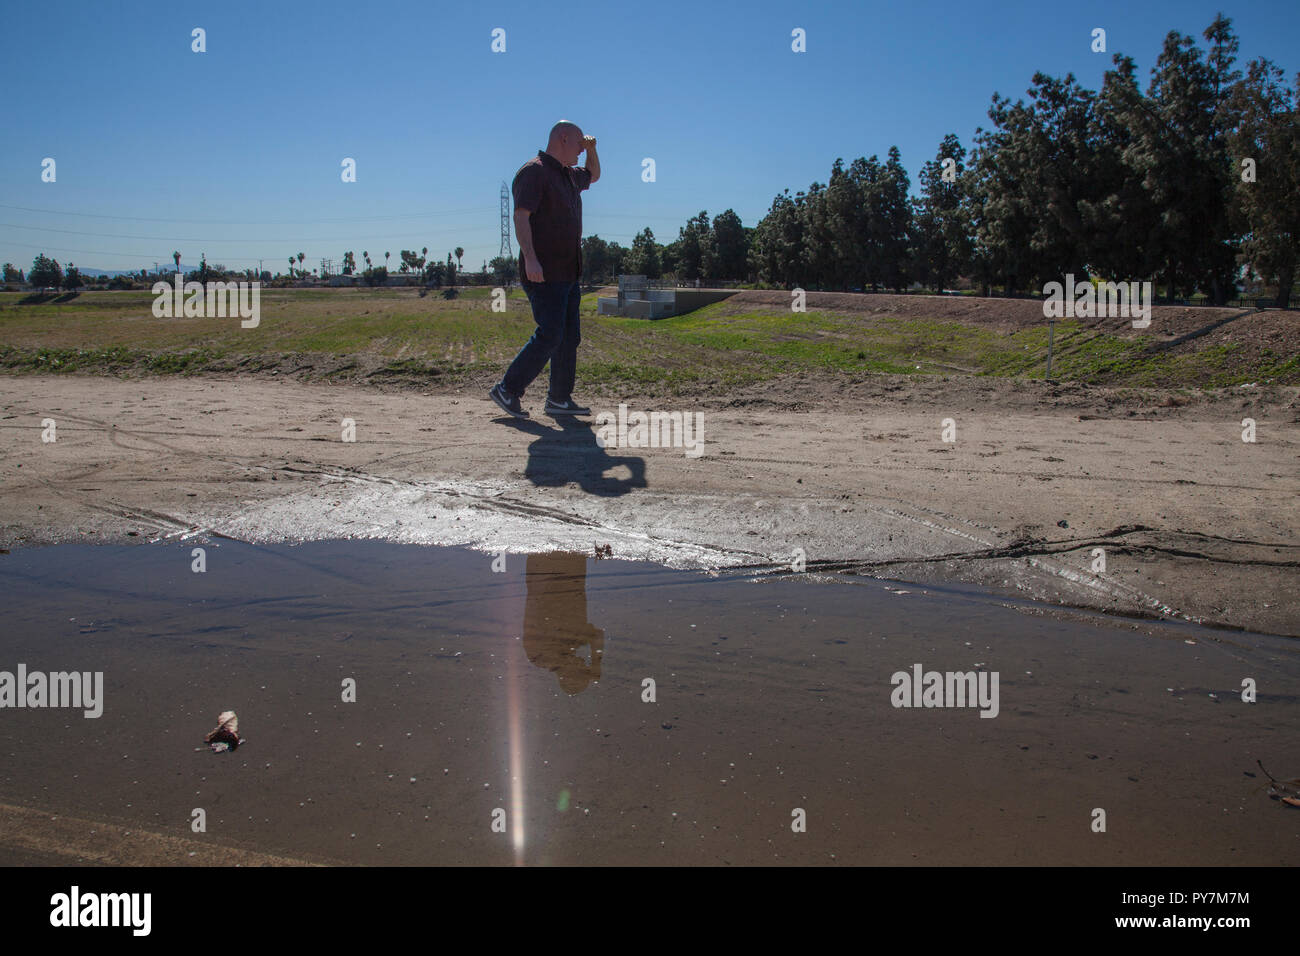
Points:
x=1042, y=482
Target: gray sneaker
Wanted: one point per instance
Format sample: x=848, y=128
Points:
x=509, y=403
x=566, y=407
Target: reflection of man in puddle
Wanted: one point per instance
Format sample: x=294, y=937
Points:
x=555, y=619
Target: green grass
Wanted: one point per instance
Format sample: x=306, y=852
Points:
x=397, y=335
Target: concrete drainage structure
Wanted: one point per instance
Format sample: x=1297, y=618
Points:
x=636, y=299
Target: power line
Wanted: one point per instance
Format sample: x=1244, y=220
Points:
x=144, y=256
x=246, y=241
x=84, y=252
x=150, y=256
x=303, y=222
x=249, y=222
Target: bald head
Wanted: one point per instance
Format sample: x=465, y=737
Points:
x=565, y=142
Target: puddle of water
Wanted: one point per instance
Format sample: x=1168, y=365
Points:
x=617, y=712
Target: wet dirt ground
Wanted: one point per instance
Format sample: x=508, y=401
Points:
x=515, y=689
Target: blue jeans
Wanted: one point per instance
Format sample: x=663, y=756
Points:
x=555, y=310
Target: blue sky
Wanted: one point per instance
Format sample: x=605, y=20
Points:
x=236, y=152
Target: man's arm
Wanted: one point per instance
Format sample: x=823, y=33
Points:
x=524, y=230
x=593, y=161
x=528, y=191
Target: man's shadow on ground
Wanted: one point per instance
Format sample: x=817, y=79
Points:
x=570, y=453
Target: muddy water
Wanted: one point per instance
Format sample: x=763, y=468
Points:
x=522, y=696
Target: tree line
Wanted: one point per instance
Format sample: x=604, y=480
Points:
x=1193, y=184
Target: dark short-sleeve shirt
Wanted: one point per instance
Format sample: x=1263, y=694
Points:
x=552, y=193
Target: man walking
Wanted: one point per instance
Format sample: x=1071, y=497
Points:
x=548, y=222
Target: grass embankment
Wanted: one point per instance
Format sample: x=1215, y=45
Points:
x=397, y=335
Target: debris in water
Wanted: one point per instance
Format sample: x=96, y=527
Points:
x=1288, y=791
x=226, y=736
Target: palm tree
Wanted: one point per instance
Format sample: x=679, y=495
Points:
x=459, y=252
x=300, y=258
x=291, y=267
x=177, y=257
x=386, y=255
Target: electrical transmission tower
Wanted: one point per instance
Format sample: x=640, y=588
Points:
x=505, y=222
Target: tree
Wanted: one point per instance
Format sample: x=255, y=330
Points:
x=72, y=279
x=1001, y=220
x=940, y=238
x=45, y=273
x=1181, y=153
x=847, y=220
x=596, y=260
x=776, y=252
x=1033, y=177
x=1267, y=132
x=643, y=259
x=176, y=256
x=689, y=256
x=728, y=247
x=459, y=253
x=818, y=253
x=301, y=257
x=505, y=269
x=670, y=258
x=12, y=274
x=617, y=258
x=895, y=217
x=1128, y=240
